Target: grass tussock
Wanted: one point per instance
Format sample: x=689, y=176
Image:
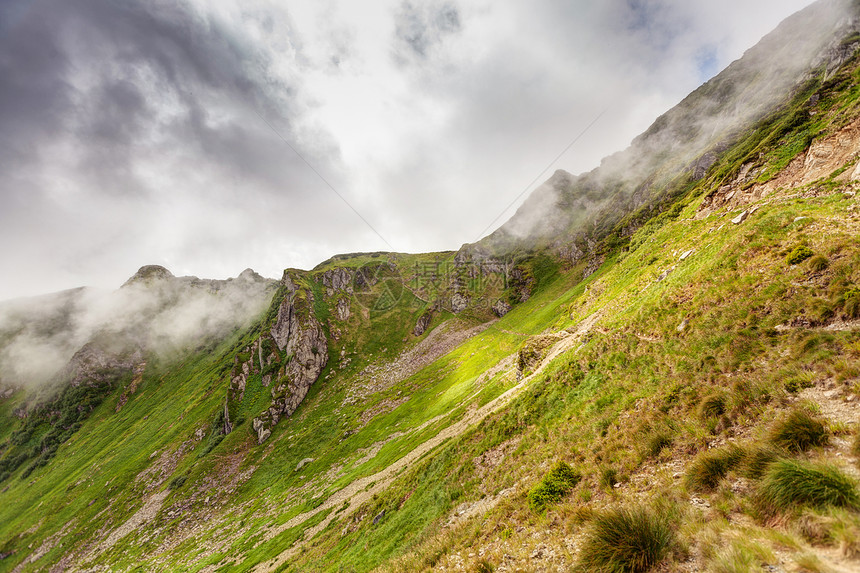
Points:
x=789, y=484
x=625, y=540
x=712, y=406
x=709, y=468
x=818, y=263
x=740, y=557
x=757, y=459
x=799, y=432
x=553, y=487
x=657, y=442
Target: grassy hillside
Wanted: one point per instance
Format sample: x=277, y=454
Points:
x=690, y=405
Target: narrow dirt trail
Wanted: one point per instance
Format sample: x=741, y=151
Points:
x=363, y=489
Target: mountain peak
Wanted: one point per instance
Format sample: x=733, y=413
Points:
x=250, y=275
x=148, y=274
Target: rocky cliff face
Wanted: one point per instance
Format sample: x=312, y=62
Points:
x=288, y=358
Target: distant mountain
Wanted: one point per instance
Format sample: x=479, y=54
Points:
x=572, y=213
x=153, y=309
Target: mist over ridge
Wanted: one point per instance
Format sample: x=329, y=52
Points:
x=689, y=138
x=153, y=310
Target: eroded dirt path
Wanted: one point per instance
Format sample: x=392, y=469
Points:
x=362, y=490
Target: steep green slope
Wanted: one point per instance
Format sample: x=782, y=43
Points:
x=709, y=331
x=155, y=448
x=698, y=369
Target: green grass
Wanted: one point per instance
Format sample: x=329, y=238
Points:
x=757, y=459
x=657, y=441
x=799, y=431
x=712, y=406
x=789, y=484
x=709, y=468
x=818, y=263
x=740, y=557
x=625, y=540
x=855, y=446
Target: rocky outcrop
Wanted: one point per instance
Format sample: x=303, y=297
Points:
x=337, y=280
x=103, y=360
x=289, y=359
x=422, y=324
x=149, y=274
x=343, y=309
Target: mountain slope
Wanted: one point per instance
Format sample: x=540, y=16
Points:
x=672, y=365
x=572, y=213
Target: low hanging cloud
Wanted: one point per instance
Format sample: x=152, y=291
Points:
x=38, y=336
x=144, y=132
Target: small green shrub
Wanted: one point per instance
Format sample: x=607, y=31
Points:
x=799, y=254
x=791, y=483
x=818, y=263
x=555, y=485
x=625, y=541
x=799, y=431
x=712, y=406
x=484, y=566
x=797, y=383
x=177, y=482
x=709, y=468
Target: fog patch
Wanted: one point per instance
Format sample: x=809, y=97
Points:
x=38, y=336
x=803, y=45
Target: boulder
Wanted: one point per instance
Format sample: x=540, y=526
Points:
x=741, y=218
x=501, y=308
x=459, y=303
x=422, y=324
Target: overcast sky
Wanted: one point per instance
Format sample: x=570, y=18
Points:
x=211, y=136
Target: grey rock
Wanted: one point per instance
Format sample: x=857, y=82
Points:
x=422, y=324
x=303, y=463
x=501, y=308
x=103, y=360
x=592, y=267
x=337, y=280
x=343, y=309
x=300, y=336
x=379, y=517
x=459, y=303
x=250, y=275
x=149, y=274
x=740, y=218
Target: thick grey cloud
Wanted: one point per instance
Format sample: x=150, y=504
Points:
x=132, y=130
x=421, y=27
